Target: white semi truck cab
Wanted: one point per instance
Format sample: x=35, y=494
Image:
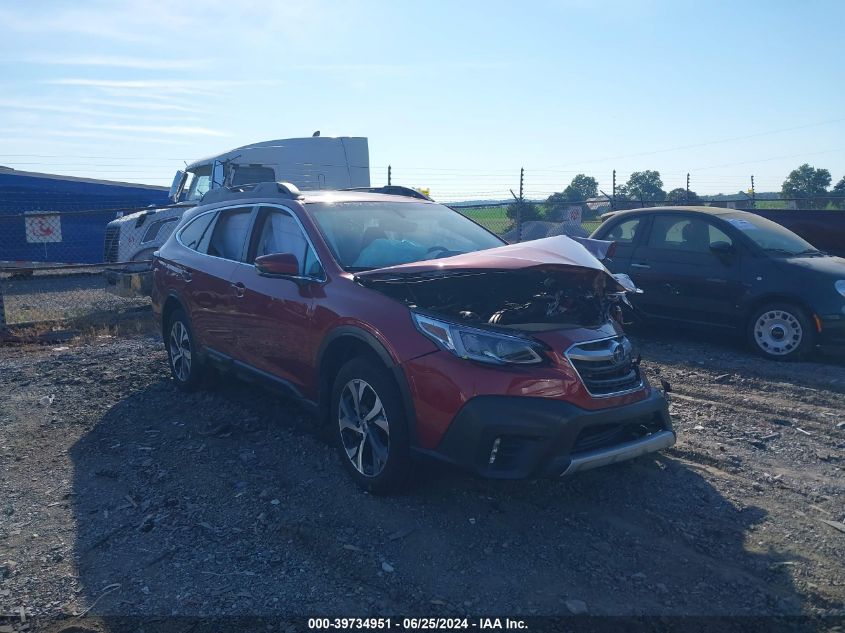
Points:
x=315, y=162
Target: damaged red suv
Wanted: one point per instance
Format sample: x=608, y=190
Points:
x=411, y=330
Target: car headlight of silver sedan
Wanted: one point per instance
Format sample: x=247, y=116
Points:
x=479, y=345
x=840, y=287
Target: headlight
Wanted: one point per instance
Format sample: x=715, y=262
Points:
x=840, y=287
x=480, y=345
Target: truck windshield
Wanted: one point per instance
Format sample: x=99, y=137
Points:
x=367, y=235
x=199, y=182
x=773, y=238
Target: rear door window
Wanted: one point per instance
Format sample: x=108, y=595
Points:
x=672, y=232
x=228, y=239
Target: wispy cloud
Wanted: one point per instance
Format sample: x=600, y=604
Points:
x=180, y=130
x=41, y=135
x=30, y=106
x=136, y=63
x=175, y=86
x=141, y=105
x=403, y=68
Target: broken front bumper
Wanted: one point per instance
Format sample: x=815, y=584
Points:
x=510, y=437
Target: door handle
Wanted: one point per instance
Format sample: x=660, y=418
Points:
x=239, y=288
x=643, y=266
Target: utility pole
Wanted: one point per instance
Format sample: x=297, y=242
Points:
x=686, y=195
x=520, y=204
x=521, y=183
x=753, y=195
x=389, y=170
x=613, y=199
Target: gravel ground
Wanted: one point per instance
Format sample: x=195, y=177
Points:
x=120, y=495
x=50, y=296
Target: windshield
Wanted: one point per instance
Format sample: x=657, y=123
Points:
x=770, y=236
x=199, y=182
x=366, y=235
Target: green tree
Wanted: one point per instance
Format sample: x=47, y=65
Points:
x=679, y=197
x=807, y=185
x=839, y=190
x=622, y=199
x=580, y=189
x=645, y=186
x=530, y=211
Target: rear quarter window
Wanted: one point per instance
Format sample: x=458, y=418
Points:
x=197, y=233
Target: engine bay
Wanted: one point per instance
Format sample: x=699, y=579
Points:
x=530, y=300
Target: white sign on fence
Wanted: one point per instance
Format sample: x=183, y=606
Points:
x=573, y=214
x=43, y=227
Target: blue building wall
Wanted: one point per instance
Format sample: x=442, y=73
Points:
x=78, y=208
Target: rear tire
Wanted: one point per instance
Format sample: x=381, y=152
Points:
x=370, y=426
x=186, y=366
x=781, y=331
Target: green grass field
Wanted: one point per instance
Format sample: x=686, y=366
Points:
x=496, y=219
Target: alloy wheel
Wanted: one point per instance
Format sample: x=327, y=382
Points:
x=778, y=332
x=364, y=429
x=180, y=351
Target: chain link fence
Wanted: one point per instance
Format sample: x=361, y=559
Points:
x=35, y=296
x=52, y=266
x=58, y=266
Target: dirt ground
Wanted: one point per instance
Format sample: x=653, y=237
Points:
x=120, y=495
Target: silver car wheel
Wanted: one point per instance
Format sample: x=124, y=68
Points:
x=364, y=429
x=180, y=351
x=778, y=332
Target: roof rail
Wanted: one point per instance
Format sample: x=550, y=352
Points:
x=394, y=190
x=253, y=190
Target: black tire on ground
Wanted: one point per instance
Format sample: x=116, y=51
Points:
x=187, y=369
x=781, y=331
x=383, y=440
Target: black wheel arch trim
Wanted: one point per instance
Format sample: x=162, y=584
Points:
x=351, y=331
x=172, y=296
x=757, y=302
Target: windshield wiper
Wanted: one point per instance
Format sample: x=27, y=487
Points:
x=812, y=252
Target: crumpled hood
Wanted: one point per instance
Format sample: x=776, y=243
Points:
x=553, y=253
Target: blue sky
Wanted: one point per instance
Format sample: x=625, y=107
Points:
x=456, y=96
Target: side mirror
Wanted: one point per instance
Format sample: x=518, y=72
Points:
x=176, y=186
x=721, y=248
x=278, y=265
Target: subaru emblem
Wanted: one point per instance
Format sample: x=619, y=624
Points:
x=618, y=352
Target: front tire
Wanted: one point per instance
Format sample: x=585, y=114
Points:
x=781, y=331
x=371, y=430
x=186, y=366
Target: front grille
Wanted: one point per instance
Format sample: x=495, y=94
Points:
x=111, y=243
x=600, y=436
x=606, y=367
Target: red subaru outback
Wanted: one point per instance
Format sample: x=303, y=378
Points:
x=411, y=330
